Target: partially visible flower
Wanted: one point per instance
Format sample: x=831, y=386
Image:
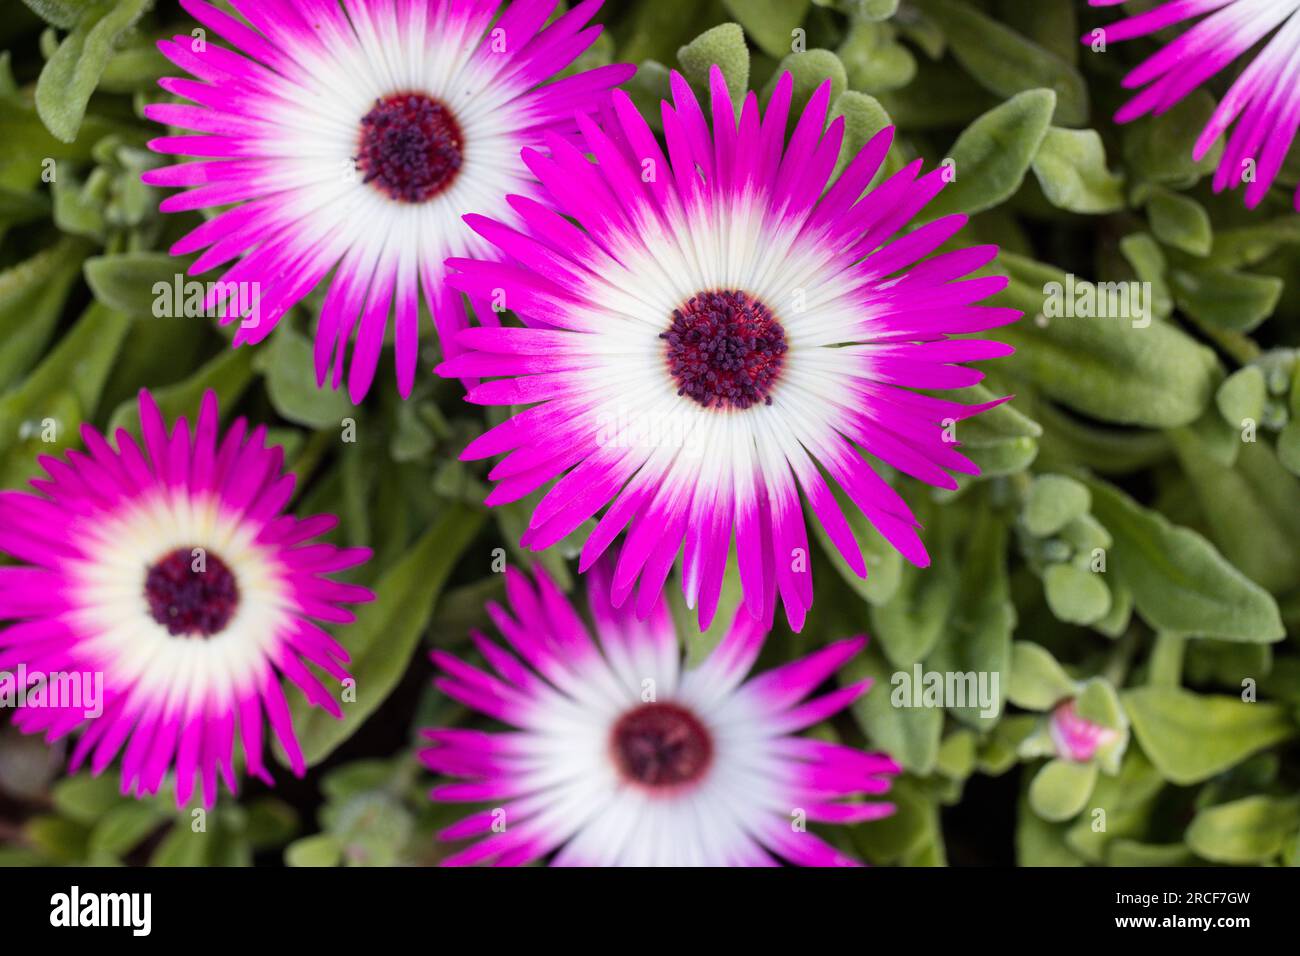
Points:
x=716, y=337
x=170, y=576
x=1263, y=104
x=622, y=756
x=352, y=138
x=1076, y=738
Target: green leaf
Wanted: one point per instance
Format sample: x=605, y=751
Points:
x=349, y=780
x=1133, y=853
x=290, y=372
x=1180, y=583
x=64, y=389
x=132, y=282
x=323, y=849
x=1003, y=457
x=71, y=74
x=1006, y=63
x=1099, y=704
x=124, y=827
x=1071, y=169
x=998, y=750
x=86, y=799
x=1241, y=396
x=1061, y=789
x=911, y=622
x=1037, y=681
x=1119, y=369
x=78, y=209
x=1247, y=245
x=139, y=66
x=1143, y=253
x=228, y=374
x=992, y=155
x=1115, y=623
x=32, y=294
x=1159, y=148
x=17, y=208
x=1235, y=301
x=28, y=143
x=270, y=823
x=1075, y=595
x=877, y=9
x=183, y=847
x=60, y=839
x=1053, y=26
x=770, y=22
x=1251, y=830
x=1180, y=221
x=1251, y=507
x=1070, y=441
x=1191, y=737
x=1288, y=447
x=909, y=734
x=387, y=630
x=1085, y=534
x=1129, y=801
x=724, y=45
x=60, y=13
x=904, y=832
x=1040, y=842
x=957, y=755
x=941, y=96
x=1054, y=501
x=874, y=60
x=808, y=70
x=864, y=117
x=977, y=638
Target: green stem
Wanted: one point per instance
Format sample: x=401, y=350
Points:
x=1167, y=660
x=309, y=458
x=1240, y=347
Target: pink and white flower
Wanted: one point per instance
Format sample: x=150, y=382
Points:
x=172, y=571
x=351, y=139
x=1075, y=737
x=1262, y=106
x=623, y=756
x=714, y=336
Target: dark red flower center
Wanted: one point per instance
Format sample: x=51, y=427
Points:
x=191, y=592
x=661, y=745
x=410, y=147
x=725, y=348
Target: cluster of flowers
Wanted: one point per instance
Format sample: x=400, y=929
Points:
x=720, y=277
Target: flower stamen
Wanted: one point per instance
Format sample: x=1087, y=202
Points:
x=190, y=602
x=411, y=147
x=725, y=348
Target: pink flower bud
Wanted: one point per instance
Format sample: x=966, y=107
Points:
x=1075, y=738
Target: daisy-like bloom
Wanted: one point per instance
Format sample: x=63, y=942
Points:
x=168, y=575
x=623, y=757
x=717, y=334
x=352, y=138
x=1263, y=104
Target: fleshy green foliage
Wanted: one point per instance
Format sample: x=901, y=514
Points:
x=1130, y=553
